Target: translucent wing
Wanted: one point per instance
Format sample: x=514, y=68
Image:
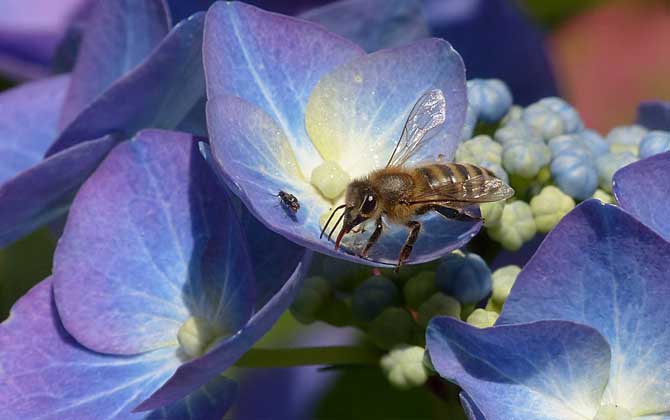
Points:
x=478, y=189
x=426, y=117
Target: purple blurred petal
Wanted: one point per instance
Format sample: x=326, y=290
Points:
x=471, y=410
x=514, y=48
x=162, y=92
x=372, y=24
x=547, y=370
x=602, y=268
x=225, y=353
x=47, y=374
x=654, y=115
x=117, y=37
x=129, y=261
x=273, y=62
x=43, y=192
x=28, y=123
x=646, y=200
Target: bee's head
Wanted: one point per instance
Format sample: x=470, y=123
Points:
x=361, y=204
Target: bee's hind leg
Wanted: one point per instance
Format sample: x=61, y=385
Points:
x=373, y=238
x=456, y=214
x=414, y=229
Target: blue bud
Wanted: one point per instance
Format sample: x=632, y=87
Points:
x=595, y=142
x=572, y=122
x=545, y=121
x=575, y=173
x=626, y=139
x=525, y=158
x=515, y=113
x=479, y=149
x=470, y=123
x=464, y=276
x=516, y=130
x=496, y=169
x=653, y=143
x=491, y=97
x=372, y=297
x=610, y=163
x=565, y=142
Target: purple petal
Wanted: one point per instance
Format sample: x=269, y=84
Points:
x=129, y=261
x=47, y=374
x=162, y=92
x=43, y=192
x=356, y=113
x=273, y=62
x=225, y=353
x=247, y=147
x=654, y=115
x=641, y=189
x=118, y=36
x=28, y=123
x=547, y=370
x=372, y=24
x=602, y=268
x=471, y=410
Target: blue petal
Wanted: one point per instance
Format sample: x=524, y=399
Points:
x=161, y=92
x=223, y=354
x=249, y=148
x=602, y=268
x=118, y=36
x=643, y=190
x=372, y=24
x=273, y=62
x=47, y=374
x=28, y=123
x=472, y=412
x=654, y=115
x=544, y=370
x=43, y=192
x=129, y=261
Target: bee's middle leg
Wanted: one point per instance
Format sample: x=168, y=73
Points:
x=373, y=238
x=414, y=229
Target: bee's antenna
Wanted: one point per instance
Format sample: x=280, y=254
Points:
x=329, y=219
x=336, y=224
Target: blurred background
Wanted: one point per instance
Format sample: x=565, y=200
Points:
x=603, y=56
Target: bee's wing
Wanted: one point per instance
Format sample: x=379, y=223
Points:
x=426, y=117
x=478, y=189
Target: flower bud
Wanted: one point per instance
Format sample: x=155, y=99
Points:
x=470, y=122
x=479, y=149
x=419, y=288
x=595, y=142
x=549, y=207
x=544, y=121
x=525, y=158
x=464, y=276
x=516, y=226
x=603, y=196
x=195, y=335
x=575, y=173
x=626, y=138
x=514, y=131
x=610, y=163
x=481, y=318
x=312, y=296
x=564, y=143
x=438, y=304
x=572, y=122
x=392, y=327
x=491, y=97
x=653, y=143
x=514, y=113
x=404, y=367
x=491, y=213
x=372, y=297
x=496, y=169
x=503, y=280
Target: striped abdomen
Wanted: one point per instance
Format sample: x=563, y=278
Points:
x=438, y=174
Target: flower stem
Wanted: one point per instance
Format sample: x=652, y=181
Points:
x=303, y=356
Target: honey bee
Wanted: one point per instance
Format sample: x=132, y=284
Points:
x=289, y=200
x=398, y=193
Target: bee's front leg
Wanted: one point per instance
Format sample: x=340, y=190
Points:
x=414, y=229
x=373, y=238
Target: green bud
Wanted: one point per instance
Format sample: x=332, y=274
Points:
x=516, y=226
x=603, y=196
x=313, y=295
x=503, y=280
x=492, y=212
x=479, y=149
x=404, y=367
x=481, y=318
x=549, y=207
x=195, y=335
x=419, y=288
x=438, y=304
x=392, y=327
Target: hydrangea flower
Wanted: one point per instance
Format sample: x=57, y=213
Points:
x=654, y=115
x=115, y=89
x=155, y=255
x=583, y=334
x=310, y=118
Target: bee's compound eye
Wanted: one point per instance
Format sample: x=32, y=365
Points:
x=369, y=204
